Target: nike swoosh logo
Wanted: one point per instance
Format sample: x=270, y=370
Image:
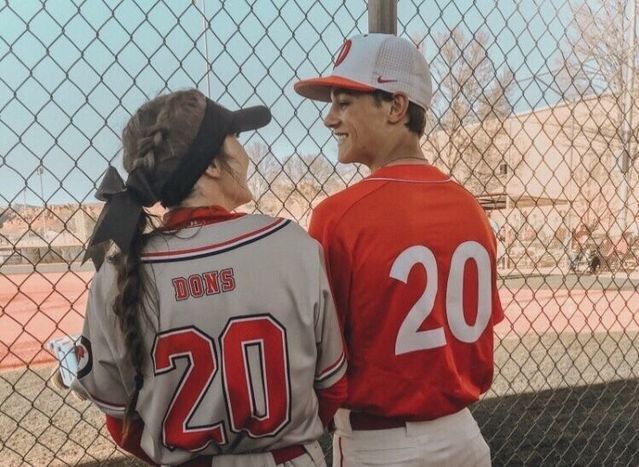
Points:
x=382, y=80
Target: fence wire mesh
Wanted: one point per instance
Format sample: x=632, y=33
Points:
x=535, y=111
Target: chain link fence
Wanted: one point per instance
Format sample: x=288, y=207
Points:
x=535, y=110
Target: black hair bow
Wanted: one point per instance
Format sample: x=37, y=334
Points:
x=120, y=215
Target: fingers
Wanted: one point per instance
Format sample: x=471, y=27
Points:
x=57, y=382
x=77, y=395
x=56, y=379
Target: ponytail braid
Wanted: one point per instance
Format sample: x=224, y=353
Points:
x=129, y=308
x=155, y=139
x=133, y=282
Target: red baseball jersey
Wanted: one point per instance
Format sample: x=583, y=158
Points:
x=411, y=260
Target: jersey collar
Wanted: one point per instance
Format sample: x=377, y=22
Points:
x=182, y=218
x=409, y=172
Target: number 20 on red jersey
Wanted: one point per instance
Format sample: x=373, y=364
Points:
x=409, y=338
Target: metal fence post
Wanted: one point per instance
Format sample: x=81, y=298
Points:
x=626, y=155
x=382, y=16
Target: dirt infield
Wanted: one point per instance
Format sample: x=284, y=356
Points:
x=41, y=305
x=36, y=307
x=578, y=311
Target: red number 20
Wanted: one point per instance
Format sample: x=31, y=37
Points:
x=268, y=340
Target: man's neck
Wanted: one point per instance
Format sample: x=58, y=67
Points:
x=407, y=152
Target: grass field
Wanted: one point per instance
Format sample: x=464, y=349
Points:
x=556, y=400
x=565, y=390
x=592, y=425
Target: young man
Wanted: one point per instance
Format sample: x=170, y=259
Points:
x=411, y=259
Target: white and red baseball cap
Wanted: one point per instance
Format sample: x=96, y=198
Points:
x=375, y=61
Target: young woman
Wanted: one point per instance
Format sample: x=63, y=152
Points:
x=215, y=334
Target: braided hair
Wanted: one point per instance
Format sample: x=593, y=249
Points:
x=155, y=139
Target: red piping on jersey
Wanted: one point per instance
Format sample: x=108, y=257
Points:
x=331, y=369
x=212, y=246
x=411, y=173
x=381, y=179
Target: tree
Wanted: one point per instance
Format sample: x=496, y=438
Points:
x=599, y=49
x=263, y=169
x=603, y=62
x=602, y=66
x=293, y=185
x=470, y=105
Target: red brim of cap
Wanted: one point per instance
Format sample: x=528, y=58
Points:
x=319, y=89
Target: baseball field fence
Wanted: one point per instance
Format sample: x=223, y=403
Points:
x=535, y=110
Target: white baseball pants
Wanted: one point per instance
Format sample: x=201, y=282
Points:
x=450, y=441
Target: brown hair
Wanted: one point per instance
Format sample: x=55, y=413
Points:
x=416, y=115
x=154, y=140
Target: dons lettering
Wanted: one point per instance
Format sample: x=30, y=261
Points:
x=207, y=283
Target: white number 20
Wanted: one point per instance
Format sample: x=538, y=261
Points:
x=409, y=338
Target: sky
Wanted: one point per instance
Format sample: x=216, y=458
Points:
x=72, y=72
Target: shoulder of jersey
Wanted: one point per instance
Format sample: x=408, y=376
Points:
x=107, y=274
x=103, y=286
x=250, y=224
x=339, y=202
x=292, y=226
x=265, y=219
x=296, y=237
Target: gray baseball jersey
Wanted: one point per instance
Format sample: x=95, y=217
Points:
x=244, y=329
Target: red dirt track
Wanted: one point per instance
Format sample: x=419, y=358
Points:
x=576, y=311
x=36, y=307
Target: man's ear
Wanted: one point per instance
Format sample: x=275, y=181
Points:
x=398, y=109
x=213, y=170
